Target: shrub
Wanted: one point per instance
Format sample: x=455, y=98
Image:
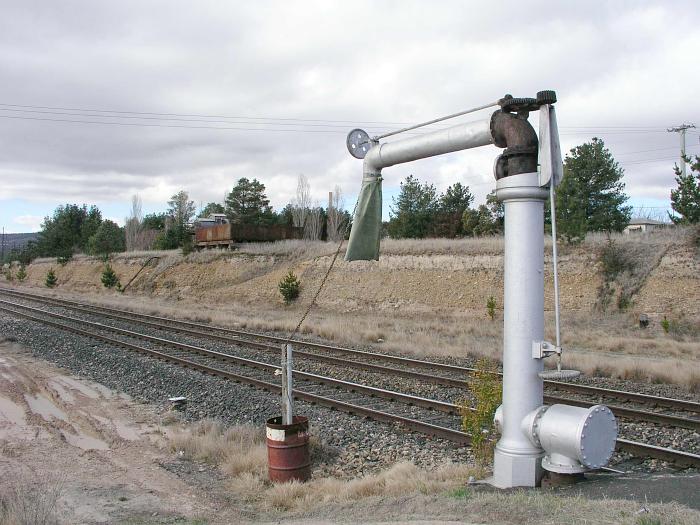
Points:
x=665, y=324
x=63, y=259
x=187, y=245
x=289, y=287
x=491, y=307
x=8, y=274
x=51, y=279
x=485, y=387
x=21, y=273
x=109, y=277
x=614, y=260
x=30, y=499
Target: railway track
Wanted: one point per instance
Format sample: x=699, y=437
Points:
x=416, y=413
x=447, y=375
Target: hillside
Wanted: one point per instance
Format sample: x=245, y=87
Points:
x=429, y=296
x=12, y=241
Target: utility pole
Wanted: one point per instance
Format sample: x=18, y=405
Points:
x=681, y=130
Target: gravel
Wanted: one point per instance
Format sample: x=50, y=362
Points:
x=351, y=445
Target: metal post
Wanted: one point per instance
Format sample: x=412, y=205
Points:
x=682, y=134
x=517, y=462
x=681, y=131
x=287, y=386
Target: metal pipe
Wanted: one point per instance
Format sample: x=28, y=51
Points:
x=287, y=386
x=456, y=138
x=555, y=269
x=517, y=460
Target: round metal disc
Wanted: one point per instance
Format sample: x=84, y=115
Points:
x=559, y=374
x=358, y=143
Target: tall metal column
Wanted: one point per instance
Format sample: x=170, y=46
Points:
x=517, y=461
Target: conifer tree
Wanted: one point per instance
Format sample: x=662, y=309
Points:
x=591, y=195
x=685, y=199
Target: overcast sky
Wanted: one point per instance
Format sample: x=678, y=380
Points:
x=103, y=100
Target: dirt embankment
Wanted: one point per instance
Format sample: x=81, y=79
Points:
x=400, y=282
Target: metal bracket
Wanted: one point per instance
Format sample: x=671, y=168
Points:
x=542, y=349
x=551, y=165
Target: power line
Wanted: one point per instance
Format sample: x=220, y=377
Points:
x=134, y=114
x=644, y=151
x=343, y=126
x=169, y=125
x=646, y=161
x=189, y=114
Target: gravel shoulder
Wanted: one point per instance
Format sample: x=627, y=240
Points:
x=98, y=453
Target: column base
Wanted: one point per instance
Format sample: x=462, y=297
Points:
x=514, y=470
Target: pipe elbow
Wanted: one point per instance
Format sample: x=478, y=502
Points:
x=519, y=138
x=373, y=161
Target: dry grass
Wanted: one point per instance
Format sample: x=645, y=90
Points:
x=241, y=453
x=29, y=499
x=400, y=479
x=525, y=507
x=240, y=450
x=400, y=491
x=489, y=245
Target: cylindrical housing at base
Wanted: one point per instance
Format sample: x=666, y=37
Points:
x=288, y=450
x=574, y=439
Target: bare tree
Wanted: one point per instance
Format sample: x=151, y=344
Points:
x=656, y=214
x=336, y=215
x=302, y=202
x=314, y=223
x=133, y=227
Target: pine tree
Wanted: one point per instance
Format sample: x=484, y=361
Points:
x=591, y=196
x=51, y=279
x=289, y=287
x=21, y=273
x=248, y=204
x=109, y=277
x=685, y=199
x=451, y=207
x=413, y=210
x=212, y=207
x=109, y=238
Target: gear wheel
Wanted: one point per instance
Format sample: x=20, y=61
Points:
x=546, y=97
x=510, y=104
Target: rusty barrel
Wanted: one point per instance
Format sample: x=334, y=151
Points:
x=288, y=449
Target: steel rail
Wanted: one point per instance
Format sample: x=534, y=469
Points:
x=408, y=399
x=197, y=329
x=681, y=458
x=426, y=428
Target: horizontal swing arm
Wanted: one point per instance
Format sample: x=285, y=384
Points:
x=455, y=138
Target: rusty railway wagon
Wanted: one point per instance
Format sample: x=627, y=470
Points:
x=226, y=235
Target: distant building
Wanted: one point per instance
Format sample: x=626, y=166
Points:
x=644, y=225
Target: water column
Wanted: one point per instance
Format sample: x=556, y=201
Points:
x=517, y=462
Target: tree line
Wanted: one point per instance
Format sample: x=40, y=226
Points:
x=590, y=198
x=77, y=228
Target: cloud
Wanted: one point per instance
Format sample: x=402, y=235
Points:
x=32, y=222
x=366, y=64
